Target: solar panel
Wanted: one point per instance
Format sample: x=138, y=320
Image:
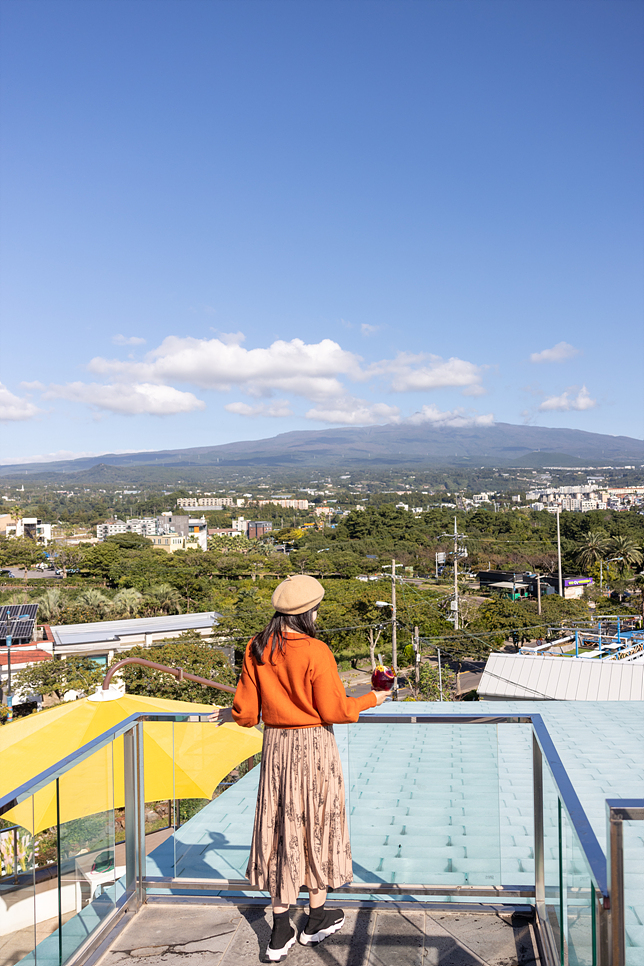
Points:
x=17, y=621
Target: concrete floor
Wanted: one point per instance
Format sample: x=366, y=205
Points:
x=227, y=935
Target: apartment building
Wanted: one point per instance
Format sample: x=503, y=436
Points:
x=191, y=531
x=205, y=503
x=287, y=504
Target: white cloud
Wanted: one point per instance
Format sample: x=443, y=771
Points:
x=559, y=353
x=455, y=418
x=422, y=372
x=129, y=400
x=280, y=407
x=367, y=329
x=289, y=367
x=564, y=403
x=14, y=408
x=127, y=340
x=323, y=373
x=355, y=412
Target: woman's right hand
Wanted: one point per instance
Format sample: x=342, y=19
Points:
x=381, y=696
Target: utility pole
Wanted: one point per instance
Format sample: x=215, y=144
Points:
x=394, y=640
x=559, y=554
x=456, y=537
x=417, y=650
x=539, y=594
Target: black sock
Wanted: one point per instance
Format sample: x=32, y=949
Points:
x=316, y=914
x=282, y=930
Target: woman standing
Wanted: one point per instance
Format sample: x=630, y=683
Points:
x=300, y=836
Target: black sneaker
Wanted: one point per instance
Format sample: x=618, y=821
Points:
x=319, y=927
x=275, y=953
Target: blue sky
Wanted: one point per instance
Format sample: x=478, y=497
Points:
x=226, y=220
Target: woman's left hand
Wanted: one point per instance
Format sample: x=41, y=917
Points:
x=221, y=715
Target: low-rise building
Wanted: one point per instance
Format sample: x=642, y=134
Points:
x=258, y=528
x=208, y=503
x=287, y=504
x=32, y=528
x=102, y=640
x=168, y=542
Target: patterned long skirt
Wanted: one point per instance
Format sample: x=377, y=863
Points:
x=300, y=835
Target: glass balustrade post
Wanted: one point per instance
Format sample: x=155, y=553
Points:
x=615, y=861
x=134, y=812
x=539, y=865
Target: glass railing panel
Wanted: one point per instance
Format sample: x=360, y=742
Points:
x=633, y=833
x=18, y=857
x=553, y=860
x=90, y=864
x=211, y=781
x=423, y=803
x=578, y=899
x=516, y=804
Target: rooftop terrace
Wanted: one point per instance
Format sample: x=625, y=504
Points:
x=443, y=824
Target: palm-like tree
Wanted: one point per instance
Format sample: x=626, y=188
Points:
x=626, y=549
x=166, y=598
x=94, y=599
x=593, y=549
x=50, y=605
x=127, y=602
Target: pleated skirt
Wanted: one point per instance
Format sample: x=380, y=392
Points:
x=300, y=835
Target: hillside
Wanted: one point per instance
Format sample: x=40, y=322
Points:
x=501, y=444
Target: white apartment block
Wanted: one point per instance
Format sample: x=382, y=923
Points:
x=208, y=502
x=287, y=504
x=144, y=526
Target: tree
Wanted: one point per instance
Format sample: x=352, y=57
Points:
x=66, y=557
x=639, y=583
x=102, y=560
x=166, y=598
x=94, y=600
x=50, y=605
x=22, y=552
x=593, y=549
x=627, y=549
x=428, y=688
x=60, y=675
x=189, y=651
x=127, y=602
x=129, y=541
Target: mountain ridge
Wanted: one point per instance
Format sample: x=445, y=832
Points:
x=500, y=443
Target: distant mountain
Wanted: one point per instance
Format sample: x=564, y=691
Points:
x=404, y=444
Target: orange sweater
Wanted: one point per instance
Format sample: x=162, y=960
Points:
x=300, y=689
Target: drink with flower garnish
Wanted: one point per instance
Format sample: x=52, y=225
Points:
x=382, y=678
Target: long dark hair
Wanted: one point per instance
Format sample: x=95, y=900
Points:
x=274, y=632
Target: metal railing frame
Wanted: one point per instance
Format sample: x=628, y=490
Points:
x=607, y=877
x=619, y=811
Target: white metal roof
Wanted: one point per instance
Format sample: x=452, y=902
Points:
x=551, y=678
x=66, y=634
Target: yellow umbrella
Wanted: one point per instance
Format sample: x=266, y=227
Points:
x=182, y=759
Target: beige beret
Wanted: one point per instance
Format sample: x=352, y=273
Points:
x=297, y=594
